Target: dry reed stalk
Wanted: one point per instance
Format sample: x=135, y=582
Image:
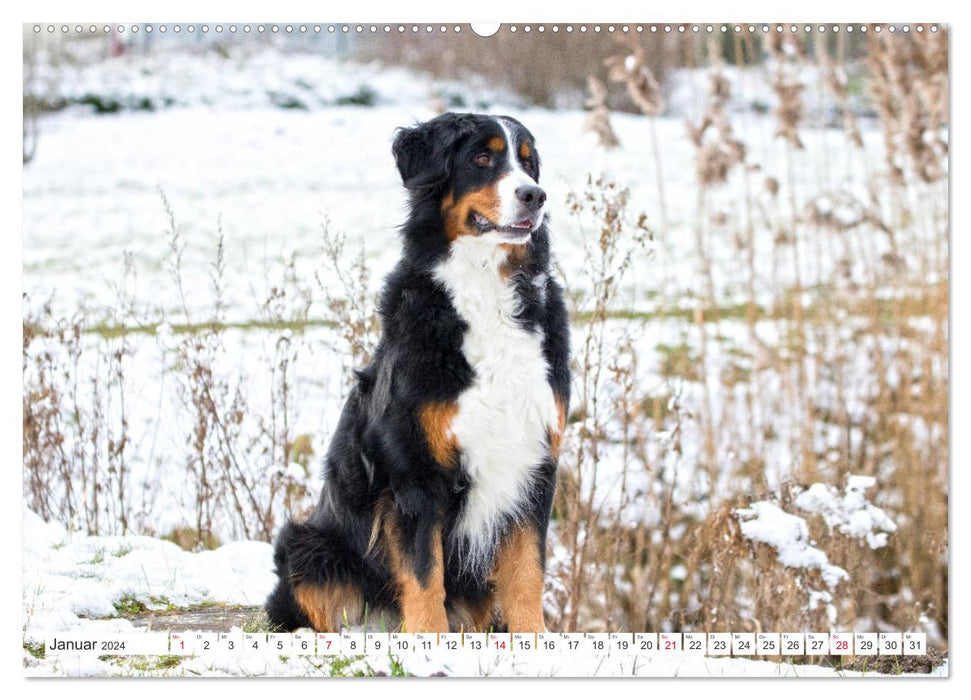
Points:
x=835, y=79
x=598, y=121
x=632, y=70
x=609, y=257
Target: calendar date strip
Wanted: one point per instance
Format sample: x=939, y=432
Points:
x=735, y=644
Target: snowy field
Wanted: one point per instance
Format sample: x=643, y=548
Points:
x=270, y=177
x=267, y=150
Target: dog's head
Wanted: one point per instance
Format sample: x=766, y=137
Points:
x=482, y=173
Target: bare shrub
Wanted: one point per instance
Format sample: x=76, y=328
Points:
x=610, y=253
x=352, y=308
x=75, y=421
x=242, y=474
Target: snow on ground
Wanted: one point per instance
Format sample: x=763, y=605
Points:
x=850, y=514
x=463, y=665
x=72, y=583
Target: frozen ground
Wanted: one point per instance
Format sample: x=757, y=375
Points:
x=73, y=582
x=76, y=584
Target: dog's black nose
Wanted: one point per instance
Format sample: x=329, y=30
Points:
x=532, y=196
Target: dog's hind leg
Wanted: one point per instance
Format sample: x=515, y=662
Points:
x=317, y=585
x=329, y=606
x=419, y=576
x=518, y=577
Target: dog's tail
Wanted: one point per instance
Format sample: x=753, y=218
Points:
x=308, y=555
x=281, y=607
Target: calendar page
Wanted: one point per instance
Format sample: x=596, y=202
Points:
x=539, y=349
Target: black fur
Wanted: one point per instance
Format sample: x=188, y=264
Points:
x=379, y=449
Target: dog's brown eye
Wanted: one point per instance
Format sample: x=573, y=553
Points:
x=483, y=159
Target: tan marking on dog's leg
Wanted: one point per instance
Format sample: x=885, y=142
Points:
x=518, y=577
x=422, y=606
x=329, y=605
x=436, y=422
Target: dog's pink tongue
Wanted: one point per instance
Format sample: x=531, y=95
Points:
x=525, y=223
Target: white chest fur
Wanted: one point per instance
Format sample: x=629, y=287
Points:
x=504, y=418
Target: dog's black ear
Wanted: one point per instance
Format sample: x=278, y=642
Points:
x=424, y=153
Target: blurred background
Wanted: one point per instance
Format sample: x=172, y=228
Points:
x=752, y=225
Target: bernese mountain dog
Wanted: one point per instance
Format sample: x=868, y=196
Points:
x=439, y=480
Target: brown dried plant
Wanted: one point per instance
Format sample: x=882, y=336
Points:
x=610, y=256
x=718, y=151
x=835, y=79
x=353, y=307
x=788, y=55
x=630, y=68
x=598, y=121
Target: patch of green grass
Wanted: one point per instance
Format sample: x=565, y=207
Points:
x=916, y=302
x=129, y=605
x=397, y=669
x=152, y=663
x=286, y=101
x=101, y=104
x=210, y=604
x=364, y=96
x=339, y=664
x=340, y=667
x=122, y=551
x=98, y=557
x=258, y=623
x=112, y=330
x=36, y=649
x=161, y=601
x=109, y=330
